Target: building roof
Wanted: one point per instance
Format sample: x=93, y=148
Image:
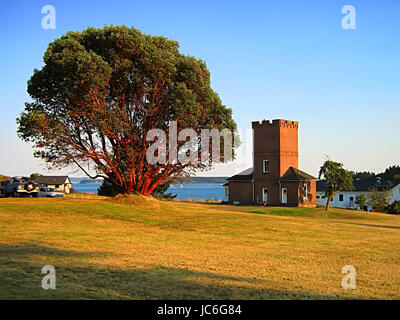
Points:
x=245, y=175
x=364, y=184
x=294, y=174
x=49, y=180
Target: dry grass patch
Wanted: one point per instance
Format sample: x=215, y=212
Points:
x=174, y=250
x=137, y=200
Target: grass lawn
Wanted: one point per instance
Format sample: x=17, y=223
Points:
x=176, y=250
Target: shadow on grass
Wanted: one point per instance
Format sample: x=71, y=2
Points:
x=20, y=278
x=25, y=250
x=373, y=225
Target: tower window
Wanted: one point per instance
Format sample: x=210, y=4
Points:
x=265, y=166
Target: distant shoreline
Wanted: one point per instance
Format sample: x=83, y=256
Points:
x=191, y=180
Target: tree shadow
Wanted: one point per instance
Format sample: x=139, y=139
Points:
x=373, y=225
x=25, y=249
x=20, y=278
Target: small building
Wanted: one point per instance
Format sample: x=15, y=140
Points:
x=61, y=183
x=347, y=199
x=275, y=178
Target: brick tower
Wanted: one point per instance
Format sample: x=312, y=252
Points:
x=275, y=150
x=275, y=178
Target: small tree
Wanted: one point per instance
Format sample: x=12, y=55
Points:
x=361, y=201
x=33, y=176
x=378, y=200
x=337, y=177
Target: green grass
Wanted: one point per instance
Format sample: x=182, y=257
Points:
x=176, y=250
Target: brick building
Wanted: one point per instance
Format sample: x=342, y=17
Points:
x=275, y=178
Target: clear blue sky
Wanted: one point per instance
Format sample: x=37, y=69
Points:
x=268, y=59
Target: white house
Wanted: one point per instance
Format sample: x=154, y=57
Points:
x=347, y=199
x=61, y=183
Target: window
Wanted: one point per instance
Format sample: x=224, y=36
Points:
x=317, y=197
x=340, y=197
x=351, y=199
x=226, y=191
x=305, y=190
x=265, y=166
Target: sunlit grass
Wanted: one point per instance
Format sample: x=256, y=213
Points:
x=181, y=250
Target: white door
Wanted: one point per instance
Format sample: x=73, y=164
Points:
x=265, y=195
x=284, y=195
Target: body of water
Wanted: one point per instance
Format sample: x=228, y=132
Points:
x=83, y=187
x=183, y=191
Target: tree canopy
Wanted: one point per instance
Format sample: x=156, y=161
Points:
x=101, y=90
x=337, y=177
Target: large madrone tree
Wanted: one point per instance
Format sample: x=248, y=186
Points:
x=99, y=93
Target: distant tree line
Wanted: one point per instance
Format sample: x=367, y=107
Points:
x=391, y=173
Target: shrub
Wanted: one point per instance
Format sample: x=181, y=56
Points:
x=361, y=201
x=378, y=200
x=393, y=208
x=109, y=189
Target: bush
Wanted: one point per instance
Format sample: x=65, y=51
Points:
x=159, y=192
x=361, y=201
x=109, y=189
x=378, y=200
x=393, y=208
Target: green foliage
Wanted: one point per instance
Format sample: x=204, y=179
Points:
x=393, y=208
x=101, y=90
x=363, y=175
x=160, y=191
x=33, y=176
x=393, y=172
x=337, y=177
x=361, y=201
x=378, y=200
x=109, y=189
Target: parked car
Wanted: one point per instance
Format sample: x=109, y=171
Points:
x=45, y=192
x=19, y=187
